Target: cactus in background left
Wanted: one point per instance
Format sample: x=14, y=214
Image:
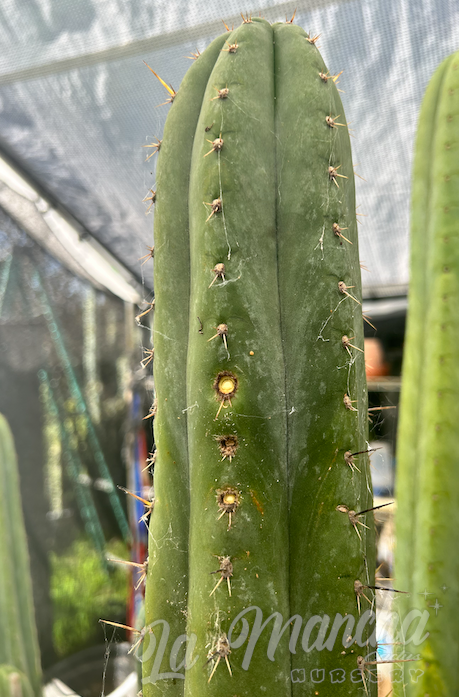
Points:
x=19, y=652
x=427, y=561
x=13, y=683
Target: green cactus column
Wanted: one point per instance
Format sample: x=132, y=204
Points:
x=427, y=564
x=275, y=468
x=19, y=651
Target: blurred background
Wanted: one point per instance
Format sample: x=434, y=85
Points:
x=79, y=114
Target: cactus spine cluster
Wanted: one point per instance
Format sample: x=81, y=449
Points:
x=261, y=469
x=427, y=564
x=20, y=670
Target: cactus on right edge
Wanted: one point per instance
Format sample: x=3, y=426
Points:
x=20, y=669
x=262, y=484
x=427, y=533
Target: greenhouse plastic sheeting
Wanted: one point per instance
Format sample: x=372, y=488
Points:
x=77, y=103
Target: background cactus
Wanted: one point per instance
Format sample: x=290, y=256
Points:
x=427, y=564
x=20, y=669
x=13, y=683
x=261, y=395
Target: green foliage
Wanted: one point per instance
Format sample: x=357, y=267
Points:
x=428, y=438
x=261, y=395
x=83, y=591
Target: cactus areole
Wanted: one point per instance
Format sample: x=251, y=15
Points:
x=256, y=539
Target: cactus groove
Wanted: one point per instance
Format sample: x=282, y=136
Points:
x=260, y=399
x=428, y=443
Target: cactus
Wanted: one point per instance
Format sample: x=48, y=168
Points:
x=13, y=683
x=427, y=488
x=19, y=652
x=262, y=476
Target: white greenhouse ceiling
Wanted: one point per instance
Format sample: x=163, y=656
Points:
x=77, y=105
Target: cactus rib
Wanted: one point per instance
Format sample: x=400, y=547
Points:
x=168, y=533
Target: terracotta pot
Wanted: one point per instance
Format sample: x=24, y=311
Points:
x=375, y=365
